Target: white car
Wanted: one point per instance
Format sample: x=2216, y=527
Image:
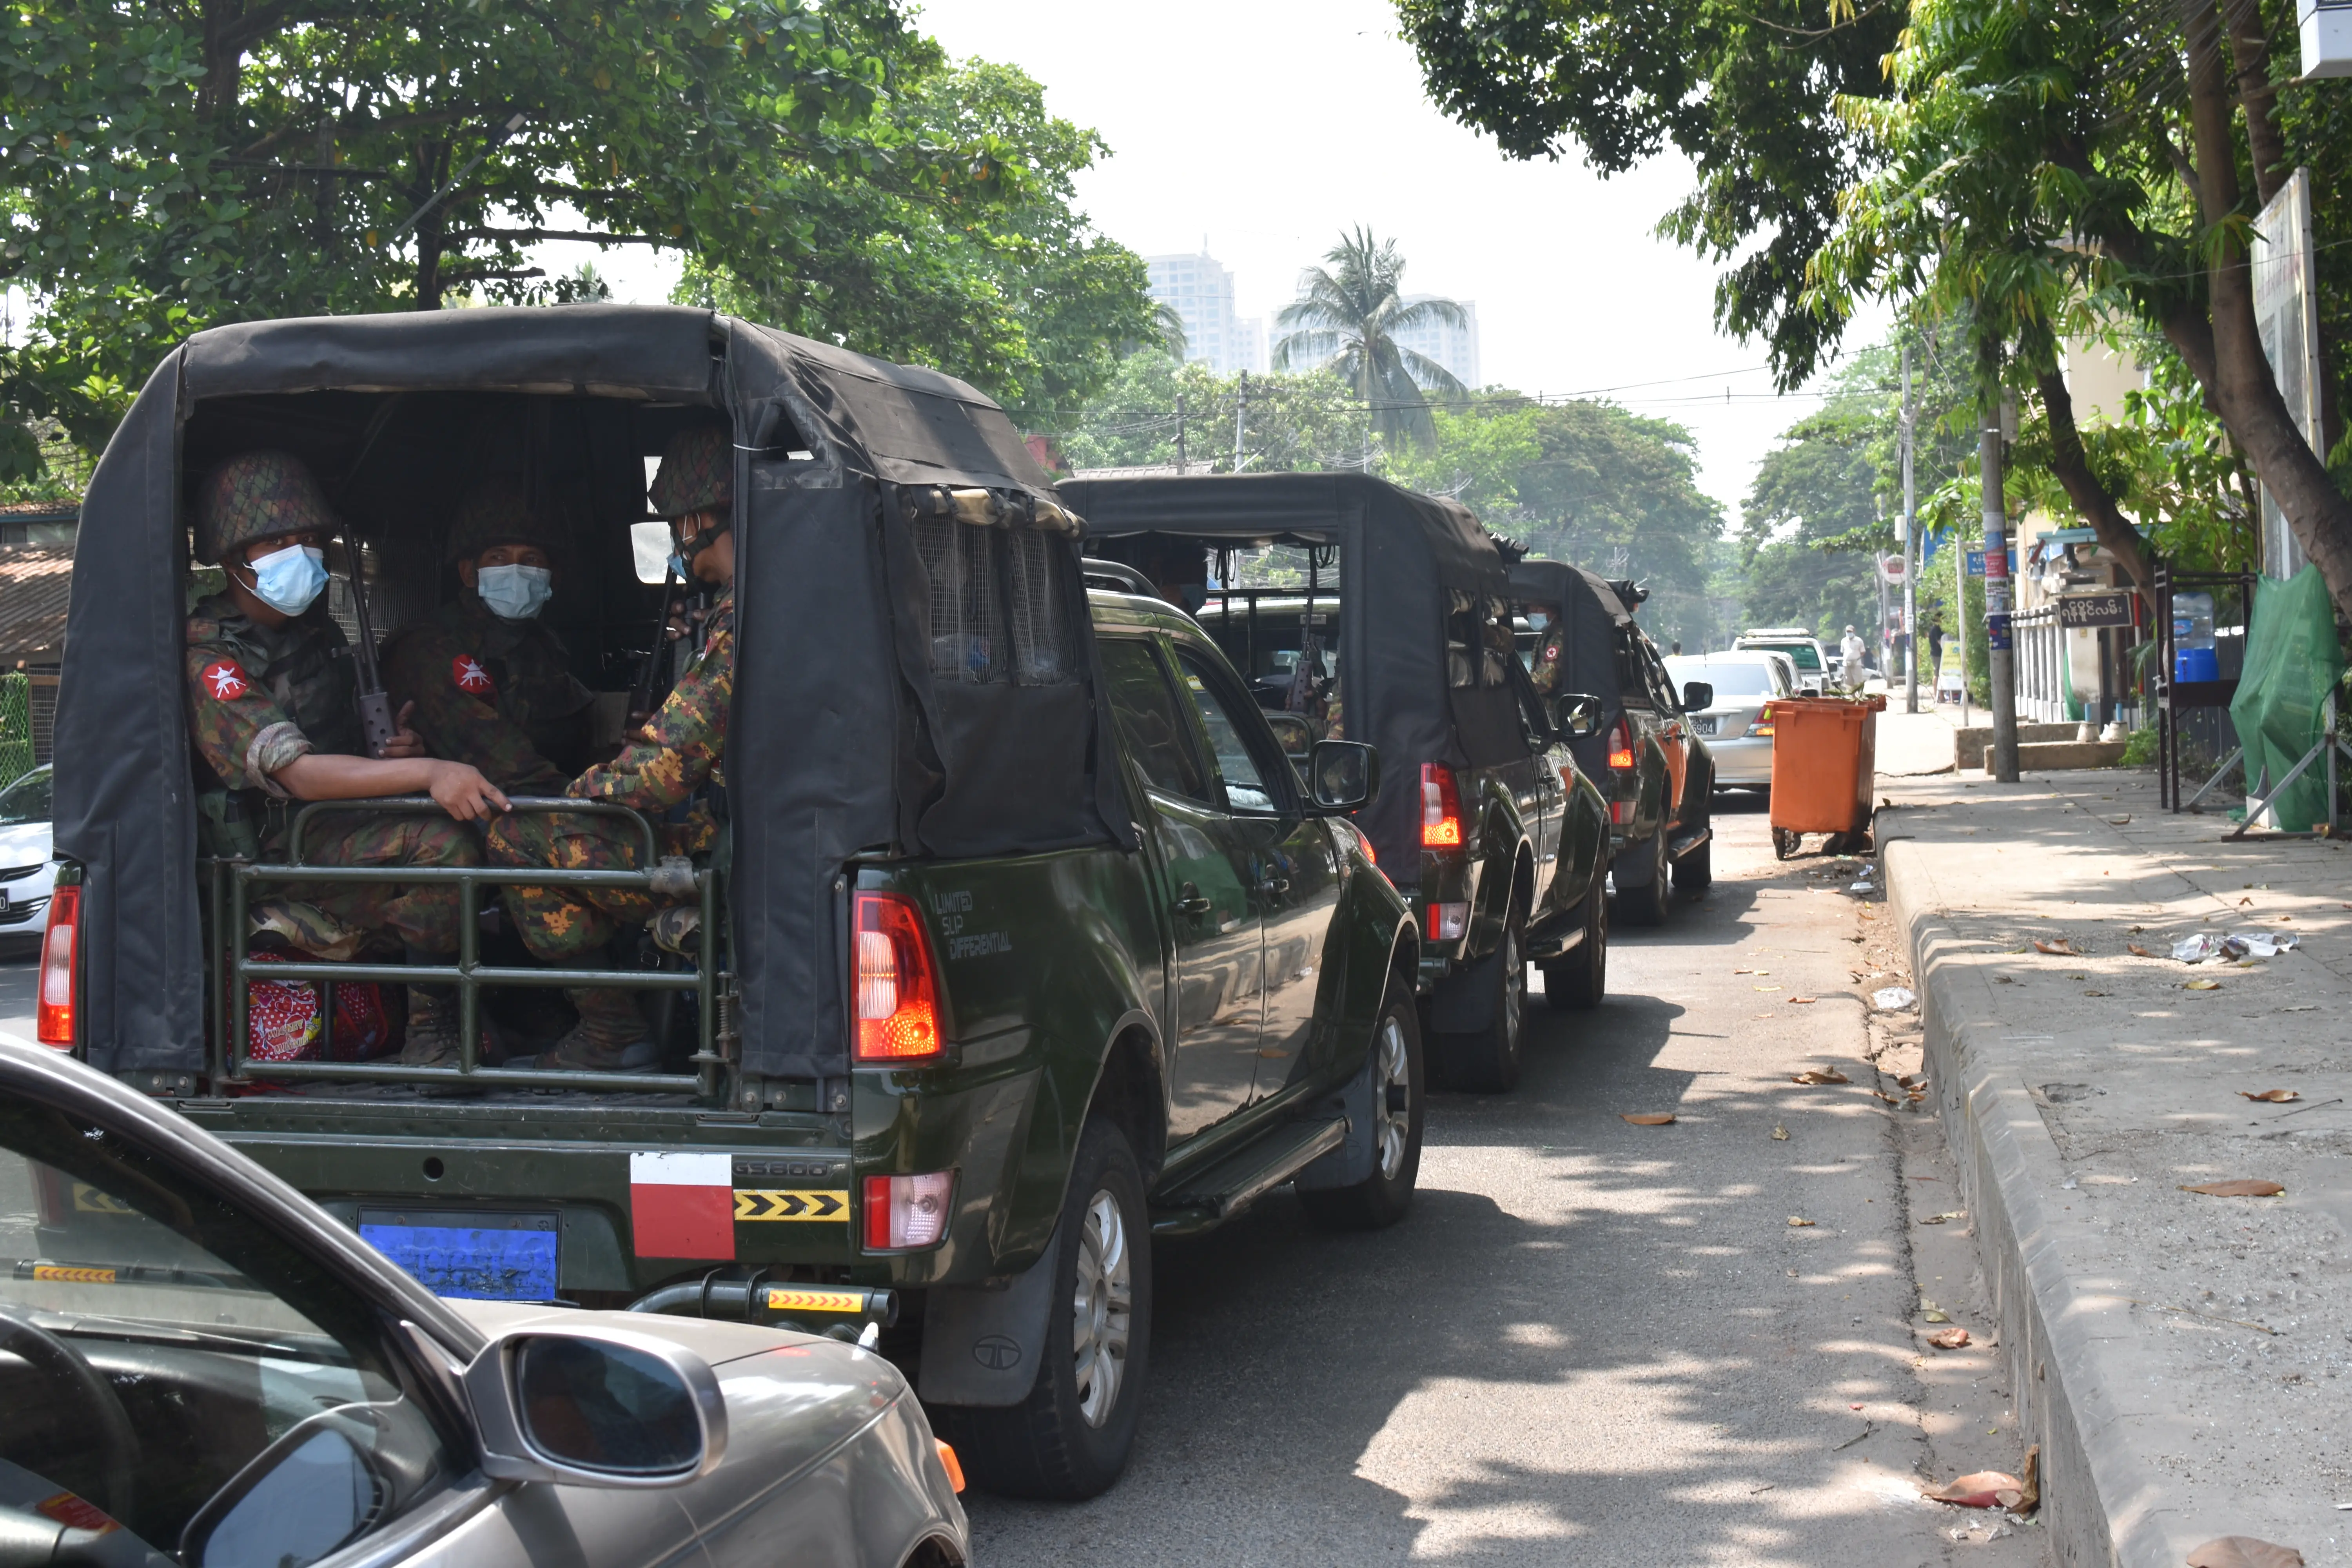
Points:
x=1737, y=725
x=25, y=869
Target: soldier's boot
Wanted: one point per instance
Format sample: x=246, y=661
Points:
x=432, y=1037
x=611, y=1036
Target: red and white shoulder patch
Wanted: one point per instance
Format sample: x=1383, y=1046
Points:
x=225, y=680
x=467, y=671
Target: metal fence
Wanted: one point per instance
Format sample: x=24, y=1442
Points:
x=17, y=756
x=2045, y=693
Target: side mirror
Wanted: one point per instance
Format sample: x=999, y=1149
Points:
x=301, y=1498
x=1697, y=695
x=1576, y=715
x=1294, y=734
x=604, y=1408
x=1342, y=775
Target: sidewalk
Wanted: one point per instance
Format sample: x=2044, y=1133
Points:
x=2182, y=1359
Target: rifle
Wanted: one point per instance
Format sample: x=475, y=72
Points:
x=642, y=698
x=375, y=704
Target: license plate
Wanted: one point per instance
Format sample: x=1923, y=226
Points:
x=480, y=1256
x=1703, y=726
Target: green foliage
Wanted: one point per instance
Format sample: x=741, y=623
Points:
x=1357, y=305
x=2139, y=748
x=1294, y=422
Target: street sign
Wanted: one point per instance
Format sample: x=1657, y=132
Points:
x=1892, y=566
x=1976, y=562
x=2094, y=610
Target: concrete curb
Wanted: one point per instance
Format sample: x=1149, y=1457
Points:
x=2101, y=1503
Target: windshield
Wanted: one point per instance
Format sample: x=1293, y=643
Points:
x=1728, y=679
x=1805, y=654
x=26, y=800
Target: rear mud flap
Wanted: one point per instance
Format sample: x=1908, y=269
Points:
x=1463, y=1002
x=982, y=1345
x=1632, y=867
x=1350, y=1165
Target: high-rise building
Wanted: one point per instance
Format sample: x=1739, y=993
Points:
x=1203, y=293
x=1455, y=348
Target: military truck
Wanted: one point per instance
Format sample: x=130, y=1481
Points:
x=1398, y=632
x=1024, y=943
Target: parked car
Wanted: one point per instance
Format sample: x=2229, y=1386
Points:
x=1657, y=774
x=1026, y=942
x=207, y=1368
x=25, y=869
x=1737, y=725
x=1488, y=826
x=1814, y=675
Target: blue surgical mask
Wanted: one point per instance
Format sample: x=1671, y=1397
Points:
x=515, y=593
x=1537, y=620
x=677, y=567
x=288, y=580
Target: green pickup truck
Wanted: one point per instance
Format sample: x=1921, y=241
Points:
x=1028, y=942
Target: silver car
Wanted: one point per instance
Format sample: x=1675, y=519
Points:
x=203, y=1368
x=1737, y=726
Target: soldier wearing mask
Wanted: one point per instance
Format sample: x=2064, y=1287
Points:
x=664, y=765
x=275, y=715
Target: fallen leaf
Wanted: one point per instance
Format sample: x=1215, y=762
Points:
x=2029, y=1491
x=1820, y=1075
x=1648, y=1120
x=1936, y=1317
x=2242, y=1188
x=2136, y=950
x=2202, y=985
x=1976, y=1490
x=1886, y=1096
x=2058, y=946
x=1780, y=1135
x=1767, y=988
x=1907, y=1081
x=1917, y=1095
x=1795, y=1223
x=1940, y=1218
x=2119, y=821
x=1801, y=1001
x=2244, y=1551
x=2275, y=1096
x=1951, y=1339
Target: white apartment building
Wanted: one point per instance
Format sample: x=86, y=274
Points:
x=1203, y=293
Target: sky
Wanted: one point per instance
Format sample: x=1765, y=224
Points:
x=1265, y=130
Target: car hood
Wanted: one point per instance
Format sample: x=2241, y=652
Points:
x=24, y=844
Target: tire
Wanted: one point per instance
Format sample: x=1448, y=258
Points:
x=1581, y=979
x=1380, y=1199
x=1647, y=905
x=1488, y=1061
x=1069, y=1439
x=1695, y=870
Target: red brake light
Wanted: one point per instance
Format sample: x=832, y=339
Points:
x=55, y=1015
x=1441, y=809
x=897, y=990
x=1620, y=745
x=907, y=1213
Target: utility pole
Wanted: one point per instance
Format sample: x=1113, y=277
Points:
x=1961, y=612
x=1240, y=413
x=1179, y=432
x=1911, y=555
x=1990, y=445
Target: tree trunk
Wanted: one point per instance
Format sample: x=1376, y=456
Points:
x=2072, y=466
x=2251, y=406
x=429, y=234
x=2250, y=48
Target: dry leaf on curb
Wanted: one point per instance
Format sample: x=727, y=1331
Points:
x=1802, y=1001
x=1794, y=1222
x=1820, y=1075
x=1951, y=1339
x=1646, y=1121
x=2237, y=1189
x=1780, y=1135
x=1976, y=1490
x=2060, y=946
x=1886, y=1096
x=2275, y=1096
x=2136, y=950
x=1940, y=1218
x=2243, y=902
x=2202, y=985
x=2244, y=1551
x=1935, y=1316
x=1767, y=988
x=1907, y=1081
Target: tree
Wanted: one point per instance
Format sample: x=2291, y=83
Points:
x=1292, y=422
x=1359, y=308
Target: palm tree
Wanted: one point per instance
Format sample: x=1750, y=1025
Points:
x=1169, y=323
x=1350, y=312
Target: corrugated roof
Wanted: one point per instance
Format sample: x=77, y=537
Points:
x=34, y=582
x=41, y=512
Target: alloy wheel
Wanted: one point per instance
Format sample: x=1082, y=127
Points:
x=1393, y=1107
x=1102, y=1308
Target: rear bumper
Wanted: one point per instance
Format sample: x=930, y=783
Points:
x=1745, y=761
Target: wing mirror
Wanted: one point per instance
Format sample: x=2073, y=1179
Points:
x=1342, y=775
x=1697, y=695
x=1576, y=715
x=603, y=1408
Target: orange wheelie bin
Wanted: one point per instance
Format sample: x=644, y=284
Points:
x=1825, y=754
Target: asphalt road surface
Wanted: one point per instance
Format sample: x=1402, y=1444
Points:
x=18, y=995
x=1592, y=1342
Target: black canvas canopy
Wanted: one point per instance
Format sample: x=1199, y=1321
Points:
x=1589, y=608
x=1403, y=556
x=911, y=628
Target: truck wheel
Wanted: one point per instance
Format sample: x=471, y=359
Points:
x=1382, y=1198
x=1069, y=1439
x=1581, y=979
x=1647, y=905
x=1488, y=1061
x=1695, y=870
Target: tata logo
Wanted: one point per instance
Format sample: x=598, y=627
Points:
x=997, y=1352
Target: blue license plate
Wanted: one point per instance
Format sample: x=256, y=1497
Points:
x=481, y=1257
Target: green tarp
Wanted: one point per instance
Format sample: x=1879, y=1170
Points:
x=2292, y=662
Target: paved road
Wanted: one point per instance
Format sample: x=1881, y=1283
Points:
x=1591, y=1342
x=17, y=996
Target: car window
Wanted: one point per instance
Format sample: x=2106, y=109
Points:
x=162, y=1340
x=1247, y=776
x=26, y=800
x=1728, y=679
x=1633, y=679
x=1150, y=722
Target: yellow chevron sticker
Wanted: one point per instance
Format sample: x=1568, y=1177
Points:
x=805, y=1298
x=67, y=1274
x=822, y=1205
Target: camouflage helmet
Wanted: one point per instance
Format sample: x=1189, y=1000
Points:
x=497, y=512
x=255, y=496
x=698, y=472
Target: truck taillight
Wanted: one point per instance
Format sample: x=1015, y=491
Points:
x=1441, y=809
x=1448, y=922
x=56, y=1010
x=1620, y=744
x=897, y=988
x=1763, y=724
x=907, y=1213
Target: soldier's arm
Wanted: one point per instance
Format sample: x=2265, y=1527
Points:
x=680, y=745
x=431, y=674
